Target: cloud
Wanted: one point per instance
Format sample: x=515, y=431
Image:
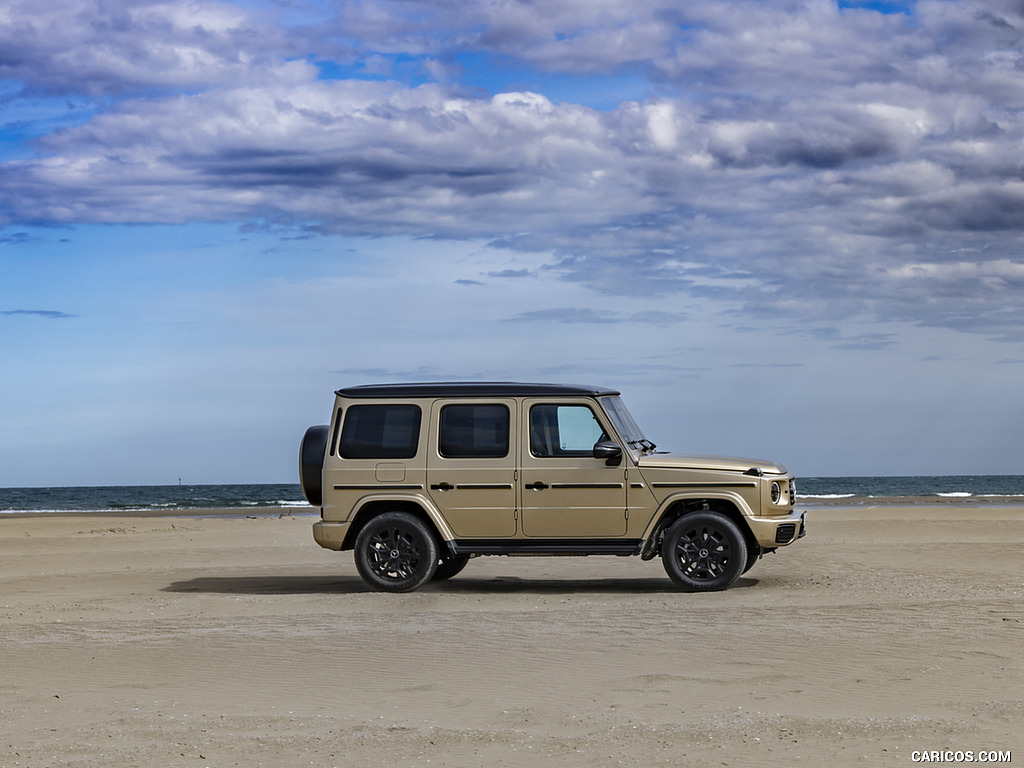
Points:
x=792, y=160
x=51, y=314
x=573, y=315
x=100, y=48
x=422, y=373
x=767, y=365
x=568, y=315
x=563, y=35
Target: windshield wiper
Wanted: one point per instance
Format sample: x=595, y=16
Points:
x=645, y=444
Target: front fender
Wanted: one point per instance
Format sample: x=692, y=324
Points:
x=668, y=502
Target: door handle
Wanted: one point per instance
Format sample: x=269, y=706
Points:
x=538, y=486
x=442, y=487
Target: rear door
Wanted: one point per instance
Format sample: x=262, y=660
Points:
x=471, y=466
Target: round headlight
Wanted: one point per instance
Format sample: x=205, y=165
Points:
x=776, y=492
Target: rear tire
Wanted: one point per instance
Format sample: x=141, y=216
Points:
x=451, y=567
x=704, y=552
x=396, y=552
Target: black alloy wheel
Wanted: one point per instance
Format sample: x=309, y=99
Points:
x=396, y=552
x=704, y=552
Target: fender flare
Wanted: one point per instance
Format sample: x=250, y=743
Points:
x=430, y=511
x=692, y=495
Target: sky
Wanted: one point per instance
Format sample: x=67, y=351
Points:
x=783, y=229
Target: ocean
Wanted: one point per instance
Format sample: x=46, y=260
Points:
x=269, y=498
x=247, y=499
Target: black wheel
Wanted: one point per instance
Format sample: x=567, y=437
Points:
x=396, y=552
x=753, y=555
x=451, y=567
x=704, y=552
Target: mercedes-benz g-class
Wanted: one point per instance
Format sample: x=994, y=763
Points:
x=417, y=479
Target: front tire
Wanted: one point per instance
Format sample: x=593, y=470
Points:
x=704, y=552
x=753, y=555
x=396, y=552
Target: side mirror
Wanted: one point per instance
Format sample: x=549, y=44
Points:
x=609, y=451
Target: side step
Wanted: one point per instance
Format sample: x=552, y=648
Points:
x=619, y=547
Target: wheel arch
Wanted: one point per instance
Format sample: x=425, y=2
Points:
x=371, y=508
x=673, y=508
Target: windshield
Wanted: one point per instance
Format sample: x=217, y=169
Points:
x=620, y=416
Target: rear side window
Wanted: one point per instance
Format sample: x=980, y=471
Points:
x=380, y=432
x=474, y=431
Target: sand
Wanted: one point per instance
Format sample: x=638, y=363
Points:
x=179, y=641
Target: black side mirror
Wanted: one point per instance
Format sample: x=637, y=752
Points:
x=609, y=451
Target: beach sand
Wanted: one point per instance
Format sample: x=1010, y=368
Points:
x=181, y=641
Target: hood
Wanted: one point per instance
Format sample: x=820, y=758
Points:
x=714, y=463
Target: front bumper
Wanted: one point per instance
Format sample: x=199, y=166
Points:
x=772, y=532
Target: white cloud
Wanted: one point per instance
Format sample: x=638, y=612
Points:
x=1001, y=270
x=790, y=146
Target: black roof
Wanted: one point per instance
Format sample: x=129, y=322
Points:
x=471, y=389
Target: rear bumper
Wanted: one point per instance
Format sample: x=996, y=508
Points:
x=330, y=535
x=773, y=532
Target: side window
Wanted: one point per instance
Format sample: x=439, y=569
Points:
x=563, y=430
x=380, y=432
x=473, y=431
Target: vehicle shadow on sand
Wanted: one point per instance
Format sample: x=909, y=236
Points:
x=461, y=585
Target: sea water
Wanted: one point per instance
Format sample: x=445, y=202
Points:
x=152, y=498
x=250, y=499
x=924, y=488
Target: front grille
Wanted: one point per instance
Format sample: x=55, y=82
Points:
x=785, y=533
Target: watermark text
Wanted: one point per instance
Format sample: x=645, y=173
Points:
x=960, y=756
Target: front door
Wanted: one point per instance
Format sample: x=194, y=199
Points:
x=564, y=490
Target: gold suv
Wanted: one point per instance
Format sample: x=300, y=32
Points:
x=417, y=479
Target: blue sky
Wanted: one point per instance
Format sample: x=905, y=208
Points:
x=784, y=229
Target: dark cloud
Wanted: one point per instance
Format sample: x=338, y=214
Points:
x=136, y=46
x=47, y=313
